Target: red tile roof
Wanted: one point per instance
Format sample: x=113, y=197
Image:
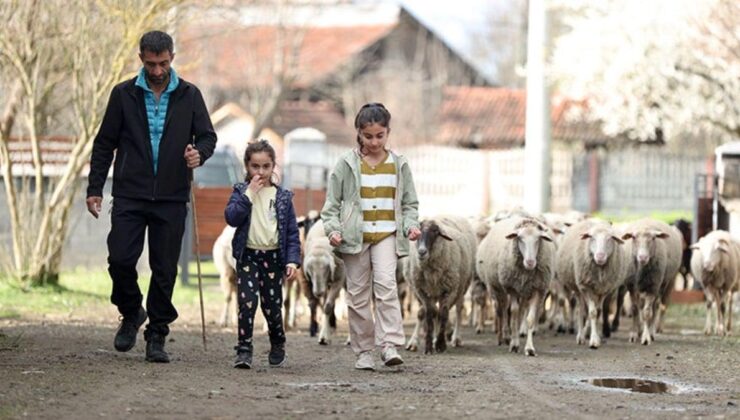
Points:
x=494, y=118
x=234, y=57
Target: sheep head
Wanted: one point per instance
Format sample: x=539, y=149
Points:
x=430, y=232
x=319, y=271
x=528, y=235
x=601, y=243
x=711, y=252
x=643, y=248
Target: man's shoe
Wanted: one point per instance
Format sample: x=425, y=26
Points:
x=155, y=349
x=277, y=358
x=126, y=335
x=365, y=361
x=243, y=357
x=390, y=356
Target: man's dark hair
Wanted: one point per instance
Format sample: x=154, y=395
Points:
x=156, y=42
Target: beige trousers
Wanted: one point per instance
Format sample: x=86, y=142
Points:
x=373, y=272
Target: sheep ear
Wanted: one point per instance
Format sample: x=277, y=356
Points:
x=627, y=236
x=694, y=247
x=660, y=235
x=444, y=234
x=723, y=249
x=723, y=242
x=617, y=239
x=585, y=235
x=512, y=235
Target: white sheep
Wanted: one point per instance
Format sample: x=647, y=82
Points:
x=590, y=262
x=225, y=264
x=480, y=297
x=441, y=267
x=516, y=260
x=714, y=264
x=325, y=274
x=656, y=257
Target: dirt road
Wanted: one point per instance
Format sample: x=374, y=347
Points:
x=68, y=368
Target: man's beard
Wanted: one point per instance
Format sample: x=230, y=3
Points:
x=157, y=81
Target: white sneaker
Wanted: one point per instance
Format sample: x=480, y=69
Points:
x=390, y=356
x=365, y=361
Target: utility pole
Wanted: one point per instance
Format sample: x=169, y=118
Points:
x=537, y=159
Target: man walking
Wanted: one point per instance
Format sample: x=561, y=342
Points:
x=159, y=128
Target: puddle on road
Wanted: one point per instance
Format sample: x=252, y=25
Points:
x=645, y=386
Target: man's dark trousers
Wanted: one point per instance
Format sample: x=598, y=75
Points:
x=165, y=222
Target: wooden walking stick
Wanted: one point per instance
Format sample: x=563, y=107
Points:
x=197, y=259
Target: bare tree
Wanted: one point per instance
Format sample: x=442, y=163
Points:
x=261, y=40
x=61, y=60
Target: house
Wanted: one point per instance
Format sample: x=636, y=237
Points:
x=320, y=74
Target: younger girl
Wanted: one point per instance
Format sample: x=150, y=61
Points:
x=265, y=246
x=370, y=214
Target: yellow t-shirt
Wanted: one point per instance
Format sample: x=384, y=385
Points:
x=263, y=233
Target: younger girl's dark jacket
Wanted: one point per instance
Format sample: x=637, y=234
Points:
x=238, y=214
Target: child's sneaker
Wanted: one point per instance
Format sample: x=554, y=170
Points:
x=243, y=357
x=365, y=361
x=390, y=356
x=277, y=358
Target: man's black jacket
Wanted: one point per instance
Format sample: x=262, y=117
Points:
x=125, y=129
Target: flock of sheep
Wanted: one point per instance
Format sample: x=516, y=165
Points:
x=515, y=262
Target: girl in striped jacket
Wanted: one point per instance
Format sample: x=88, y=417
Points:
x=370, y=214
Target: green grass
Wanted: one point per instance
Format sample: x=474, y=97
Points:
x=88, y=288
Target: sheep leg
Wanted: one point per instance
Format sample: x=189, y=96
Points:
x=532, y=317
x=456, y=340
x=482, y=315
x=523, y=327
x=720, y=325
x=443, y=317
x=573, y=314
x=287, y=304
x=517, y=320
x=594, y=303
x=552, y=311
x=327, y=328
x=708, y=320
x=728, y=331
x=313, y=328
x=501, y=316
x=647, y=319
x=606, y=305
x=636, y=315
x=620, y=302
x=581, y=315
x=413, y=343
x=224, y=321
x=429, y=325
x=559, y=315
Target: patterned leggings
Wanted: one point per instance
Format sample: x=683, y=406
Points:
x=260, y=276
